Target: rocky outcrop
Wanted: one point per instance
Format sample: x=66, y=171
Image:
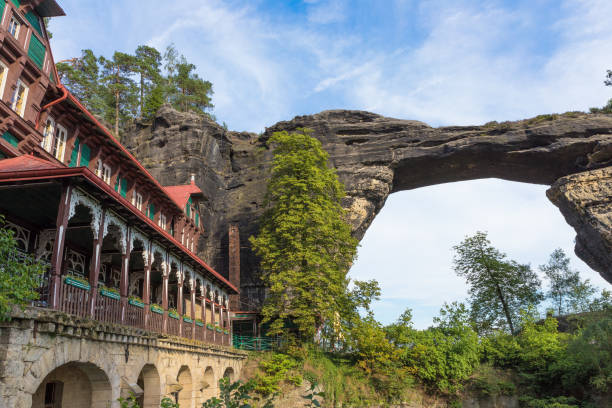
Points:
x=376, y=156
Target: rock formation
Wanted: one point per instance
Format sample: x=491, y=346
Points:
x=376, y=156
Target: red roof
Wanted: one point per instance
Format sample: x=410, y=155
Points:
x=181, y=194
x=26, y=162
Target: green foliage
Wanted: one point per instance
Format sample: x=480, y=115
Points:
x=20, y=274
x=528, y=401
x=130, y=402
x=304, y=242
x=498, y=288
x=234, y=395
x=312, y=396
x=273, y=372
x=372, y=349
x=444, y=356
x=126, y=87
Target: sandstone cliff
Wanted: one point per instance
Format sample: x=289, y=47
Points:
x=376, y=156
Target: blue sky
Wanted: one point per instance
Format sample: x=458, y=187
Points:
x=439, y=61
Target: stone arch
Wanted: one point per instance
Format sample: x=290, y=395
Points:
x=229, y=374
x=93, y=361
x=150, y=382
x=208, y=384
x=75, y=385
x=184, y=397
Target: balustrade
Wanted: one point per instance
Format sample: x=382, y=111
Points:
x=74, y=297
x=134, y=315
x=108, y=307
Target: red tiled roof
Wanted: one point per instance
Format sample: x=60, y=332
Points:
x=181, y=194
x=26, y=162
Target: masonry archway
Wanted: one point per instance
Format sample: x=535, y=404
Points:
x=74, y=385
x=229, y=374
x=185, y=395
x=149, y=382
x=209, y=386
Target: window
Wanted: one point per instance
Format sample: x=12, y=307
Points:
x=59, y=143
x=14, y=27
x=20, y=96
x=162, y=221
x=47, y=141
x=137, y=200
x=3, y=75
x=106, y=173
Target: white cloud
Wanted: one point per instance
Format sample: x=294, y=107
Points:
x=326, y=12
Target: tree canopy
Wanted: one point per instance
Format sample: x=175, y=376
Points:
x=304, y=242
x=499, y=288
x=125, y=87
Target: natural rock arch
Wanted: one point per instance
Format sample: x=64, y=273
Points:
x=376, y=156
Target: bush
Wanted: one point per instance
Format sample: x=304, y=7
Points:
x=273, y=372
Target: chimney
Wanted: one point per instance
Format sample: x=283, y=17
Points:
x=234, y=263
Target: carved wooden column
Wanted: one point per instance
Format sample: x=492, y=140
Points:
x=193, y=299
x=146, y=290
x=61, y=225
x=179, y=301
x=212, y=317
x=124, y=280
x=94, y=270
x=203, y=313
x=165, y=277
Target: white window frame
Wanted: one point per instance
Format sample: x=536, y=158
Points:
x=48, y=132
x=137, y=200
x=3, y=81
x=60, y=135
x=15, y=98
x=162, y=221
x=19, y=24
x=106, y=173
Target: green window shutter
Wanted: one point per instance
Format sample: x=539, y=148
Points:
x=37, y=51
x=117, y=182
x=33, y=19
x=152, y=211
x=85, y=155
x=17, y=3
x=123, y=188
x=10, y=138
x=2, y=5
x=197, y=219
x=74, y=156
x=188, y=208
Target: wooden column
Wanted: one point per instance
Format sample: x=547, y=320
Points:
x=165, y=277
x=203, y=301
x=213, y=318
x=193, y=286
x=125, y=279
x=61, y=225
x=146, y=290
x=94, y=269
x=179, y=303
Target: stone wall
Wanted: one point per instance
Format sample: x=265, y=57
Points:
x=97, y=363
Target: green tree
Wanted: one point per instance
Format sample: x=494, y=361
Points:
x=148, y=67
x=19, y=274
x=304, y=243
x=498, y=288
x=561, y=278
x=122, y=97
x=82, y=76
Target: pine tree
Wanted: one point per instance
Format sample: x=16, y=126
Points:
x=499, y=288
x=121, y=97
x=82, y=76
x=304, y=243
x=148, y=67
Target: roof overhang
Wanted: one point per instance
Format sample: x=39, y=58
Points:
x=93, y=180
x=49, y=8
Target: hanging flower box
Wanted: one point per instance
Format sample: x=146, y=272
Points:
x=225, y=331
x=218, y=330
x=77, y=282
x=187, y=319
x=209, y=326
x=199, y=323
x=134, y=301
x=173, y=314
x=110, y=293
x=156, y=309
